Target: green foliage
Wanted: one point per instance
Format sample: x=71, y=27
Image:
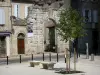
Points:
x=70, y=24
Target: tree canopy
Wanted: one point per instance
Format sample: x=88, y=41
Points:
x=70, y=24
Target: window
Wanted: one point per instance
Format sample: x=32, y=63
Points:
x=82, y=0
x=16, y=10
x=94, y=0
x=95, y=16
x=87, y=15
x=2, y=0
x=2, y=16
x=26, y=11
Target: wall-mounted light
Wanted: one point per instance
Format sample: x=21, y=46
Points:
x=49, y=2
x=61, y=3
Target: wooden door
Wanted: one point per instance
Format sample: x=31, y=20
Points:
x=21, y=46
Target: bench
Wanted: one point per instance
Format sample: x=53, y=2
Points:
x=48, y=65
x=34, y=63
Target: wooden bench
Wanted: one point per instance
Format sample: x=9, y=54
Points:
x=34, y=63
x=48, y=65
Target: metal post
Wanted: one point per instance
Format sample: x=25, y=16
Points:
x=20, y=58
x=7, y=60
x=32, y=57
x=65, y=58
x=79, y=53
x=92, y=57
x=75, y=59
x=87, y=51
x=57, y=57
x=43, y=56
x=50, y=56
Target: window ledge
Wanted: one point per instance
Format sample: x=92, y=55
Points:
x=2, y=24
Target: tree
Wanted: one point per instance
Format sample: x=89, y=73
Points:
x=71, y=25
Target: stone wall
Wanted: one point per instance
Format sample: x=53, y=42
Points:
x=38, y=17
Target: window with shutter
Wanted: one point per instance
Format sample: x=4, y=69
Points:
x=2, y=16
x=87, y=15
x=26, y=11
x=82, y=0
x=95, y=16
x=2, y=0
x=94, y=0
x=16, y=10
x=83, y=13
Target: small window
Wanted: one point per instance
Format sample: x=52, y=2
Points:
x=16, y=10
x=95, y=16
x=82, y=0
x=2, y=0
x=87, y=15
x=2, y=16
x=93, y=0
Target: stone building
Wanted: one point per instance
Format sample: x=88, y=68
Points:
x=19, y=35
x=28, y=26
x=12, y=26
x=42, y=35
x=19, y=32
x=35, y=36
x=89, y=9
x=5, y=27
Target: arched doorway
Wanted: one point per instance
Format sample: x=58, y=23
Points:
x=21, y=43
x=50, y=35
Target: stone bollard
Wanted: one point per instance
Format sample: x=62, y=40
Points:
x=92, y=57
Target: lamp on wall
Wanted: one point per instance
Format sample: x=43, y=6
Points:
x=36, y=2
x=49, y=2
x=61, y=3
x=41, y=3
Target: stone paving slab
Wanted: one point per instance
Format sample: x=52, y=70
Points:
x=85, y=65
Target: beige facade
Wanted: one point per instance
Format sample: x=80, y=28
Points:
x=5, y=28
x=19, y=27
x=18, y=40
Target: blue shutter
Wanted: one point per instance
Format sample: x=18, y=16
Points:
x=95, y=16
x=83, y=13
x=2, y=16
x=89, y=15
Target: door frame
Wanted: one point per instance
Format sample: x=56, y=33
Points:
x=21, y=36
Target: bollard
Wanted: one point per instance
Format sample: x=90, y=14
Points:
x=50, y=56
x=57, y=57
x=32, y=57
x=43, y=56
x=20, y=58
x=65, y=58
x=7, y=60
x=92, y=57
x=87, y=51
x=79, y=53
